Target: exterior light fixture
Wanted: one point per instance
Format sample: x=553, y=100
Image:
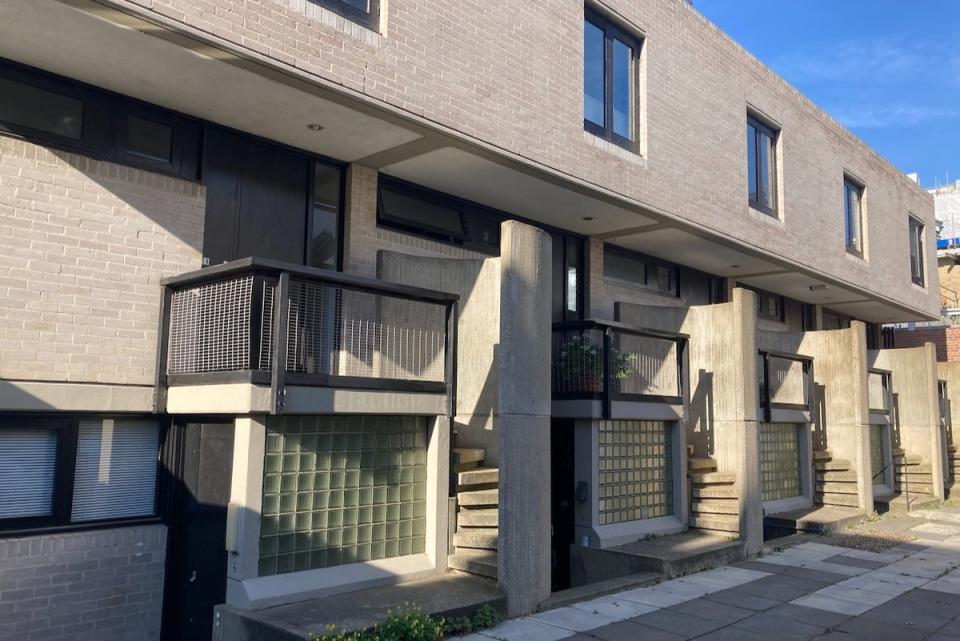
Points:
x=313, y=126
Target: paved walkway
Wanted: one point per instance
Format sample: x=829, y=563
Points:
x=810, y=591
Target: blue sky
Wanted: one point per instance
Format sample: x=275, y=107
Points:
x=889, y=70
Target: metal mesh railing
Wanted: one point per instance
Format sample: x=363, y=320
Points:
x=341, y=332
x=578, y=361
x=878, y=387
x=210, y=327
x=644, y=365
x=784, y=381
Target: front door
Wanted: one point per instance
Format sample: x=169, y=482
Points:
x=198, y=465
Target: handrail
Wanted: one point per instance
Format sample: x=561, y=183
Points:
x=275, y=267
x=766, y=400
x=622, y=327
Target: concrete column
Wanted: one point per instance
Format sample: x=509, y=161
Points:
x=937, y=444
x=861, y=414
x=522, y=419
x=246, y=498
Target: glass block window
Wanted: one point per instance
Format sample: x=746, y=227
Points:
x=878, y=456
x=342, y=489
x=636, y=471
x=780, y=460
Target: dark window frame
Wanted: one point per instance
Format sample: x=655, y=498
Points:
x=369, y=19
x=104, y=126
x=763, y=303
x=917, y=232
x=850, y=183
x=611, y=32
x=650, y=264
x=341, y=210
x=763, y=127
x=59, y=519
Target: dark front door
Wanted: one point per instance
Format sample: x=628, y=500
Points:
x=563, y=497
x=198, y=465
x=257, y=199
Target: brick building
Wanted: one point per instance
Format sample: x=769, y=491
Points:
x=292, y=289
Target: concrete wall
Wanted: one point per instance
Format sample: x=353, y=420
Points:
x=916, y=406
x=83, y=244
x=950, y=372
x=722, y=413
x=456, y=66
x=99, y=585
x=841, y=402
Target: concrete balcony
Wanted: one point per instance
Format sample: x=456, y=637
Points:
x=260, y=336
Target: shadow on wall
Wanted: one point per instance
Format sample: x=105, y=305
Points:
x=819, y=415
x=895, y=436
x=701, y=431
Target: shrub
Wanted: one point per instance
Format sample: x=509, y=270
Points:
x=415, y=625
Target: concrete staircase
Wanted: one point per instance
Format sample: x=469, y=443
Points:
x=713, y=498
x=953, y=467
x=907, y=469
x=836, y=481
x=478, y=502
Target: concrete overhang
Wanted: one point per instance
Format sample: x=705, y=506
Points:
x=122, y=47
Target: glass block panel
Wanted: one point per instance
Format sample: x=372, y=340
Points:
x=780, y=460
x=636, y=471
x=342, y=489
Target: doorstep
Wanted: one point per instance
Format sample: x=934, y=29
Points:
x=450, y=595
x=819, y=519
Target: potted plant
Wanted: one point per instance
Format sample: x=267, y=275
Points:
x=580, y=365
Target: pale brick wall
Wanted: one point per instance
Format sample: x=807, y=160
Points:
x=509, y=73
x=101, y=585
x=83, y=244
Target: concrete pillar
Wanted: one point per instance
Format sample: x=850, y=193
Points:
x=522, y=419
x=937, y=443
x=861, y=414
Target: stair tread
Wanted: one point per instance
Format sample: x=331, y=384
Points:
x=478, y=476
x=480, y=562
x=476, y=538
x=469, y=454
x=719, y=522
x=471, y=498
x=715, y=492
x=822, y=455
x=478, y=517
x=711, y=478
x=700, y=464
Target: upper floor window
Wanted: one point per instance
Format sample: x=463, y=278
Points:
x=853, y=216
x=916, y=251
x=363, y=12
x=762, y=166
x=609, y=81
x=633, y=269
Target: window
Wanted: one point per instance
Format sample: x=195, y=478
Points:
x=762, y=166
x=417, y=210
x=916, y=251
x=363, y=12
x=324, y=240
x=61, y=471
x=770, y=306
x=63, y=113
x=853, y=216
x=609, y=81
x=636, y=270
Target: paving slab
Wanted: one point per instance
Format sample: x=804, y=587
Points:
x=616, y=609
x=573, y=619
x=526, y=629
x=730, y=634
x=876, y=631
x=687, y=626
x=795, y=612
x=832, y=604
x=713, y=610
x=937, y=528
x=649, y=596
x=742, y=599
x=855, y=562
x=774, y=627
x=631, y=631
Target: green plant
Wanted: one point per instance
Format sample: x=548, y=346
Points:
x=580, y=359
x=414, y=624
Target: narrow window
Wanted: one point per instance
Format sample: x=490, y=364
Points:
x=609, y=81
x=149, y=139
x=853, y=216
x=23, y=106
x=916, y=251
x=324, y=240
x=761, y=166
x=28, y=460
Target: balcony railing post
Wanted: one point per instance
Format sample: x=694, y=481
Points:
x=279, y=361
x=450, y=357
x=767, y=396
x=607, y=374
x=163, y=342
x=683, y=373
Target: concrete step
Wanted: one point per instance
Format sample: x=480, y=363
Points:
x=479, y=562
x=702, y=465
x=469, y=454
x=833, y=466
x=467, y=517
x=712, y=478
x=915, y=488
x=479, y=476
x=898, y=502
x=837, y=488
x=477, y=538
x=714, y=492
x=900, y=461
x=898, y=451
x=715, y=506
x=836, y=476
x=716, y=523
x=843, y=500
x=479, y=498
x=822, y=455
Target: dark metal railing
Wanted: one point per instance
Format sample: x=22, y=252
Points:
x=268, y=322
x=880, y=391
x=785, y=382
x=609, y=361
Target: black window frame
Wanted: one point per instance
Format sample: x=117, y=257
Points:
x=369, y=19
x=340, y=213
x=650, y=267
x=60, y=517
x=764, y=298
x=104, y=127
x=612, y=32
x=916, y=230
x=763, y=127
x=850, y=183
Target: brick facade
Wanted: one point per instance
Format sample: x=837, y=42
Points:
x=83, y=244
x=101, y=585
x=946, y=338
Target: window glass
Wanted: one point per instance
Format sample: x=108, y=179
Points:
x=623, y=267
x=622, y=88
x=761, y=167
x=408, y=209
x=28, y=460
x=766, y=170
x=752, y=164
x=362, y=5
x=149, y=139
x=852, y=216
x=916, y=251
x=35, y=108
x=573, y=272
x=116, y=470
x=593, y=73
x=325, y=225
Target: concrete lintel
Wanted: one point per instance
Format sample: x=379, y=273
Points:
x=34, y=396
x=229, y=398
x=325, y=400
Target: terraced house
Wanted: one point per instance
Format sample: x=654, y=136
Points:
x=304, y=298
